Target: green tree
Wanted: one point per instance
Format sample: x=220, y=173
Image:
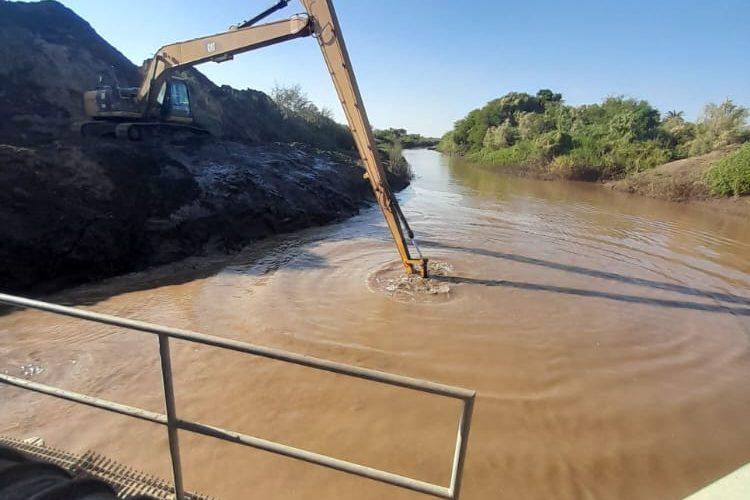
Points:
x=618, y=136
x=675, y=115
x=547, y=96
x=501, y=136
x=531, y=125
x=720, y=125
x=314, y=125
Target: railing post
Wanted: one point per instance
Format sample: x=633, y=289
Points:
x=462, y=442
x=174, y=446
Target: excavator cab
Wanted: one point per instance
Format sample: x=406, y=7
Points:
x=116, y=112
x=111, y=102
x=174, y=101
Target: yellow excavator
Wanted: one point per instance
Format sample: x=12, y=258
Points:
x=162, y=102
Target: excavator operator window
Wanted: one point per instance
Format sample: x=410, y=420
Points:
x=179, y=98
x=162, y=94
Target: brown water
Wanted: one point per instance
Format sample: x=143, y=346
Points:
x=608, y=338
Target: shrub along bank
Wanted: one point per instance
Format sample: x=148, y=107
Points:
x=618, y=137
x=731, y=174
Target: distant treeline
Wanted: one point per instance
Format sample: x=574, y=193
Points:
x=392, y=141
x=400, y=137
x=618, y=137
x=317, y=126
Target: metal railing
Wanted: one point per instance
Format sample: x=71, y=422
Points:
x=174, y=423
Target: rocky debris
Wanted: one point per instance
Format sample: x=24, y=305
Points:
x=31, y=369
x=74, y=209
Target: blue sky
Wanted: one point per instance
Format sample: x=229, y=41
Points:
x=424, y=64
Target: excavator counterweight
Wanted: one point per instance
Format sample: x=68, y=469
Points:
x=162, y=102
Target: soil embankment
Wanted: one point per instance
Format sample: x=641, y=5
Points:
x=680, y=181
x=81, y=212
x=683, y=180
x=74, y=209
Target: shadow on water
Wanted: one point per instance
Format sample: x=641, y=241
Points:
x=293, y=251
x=635, y=299
x=659, y=285
x=263, y=259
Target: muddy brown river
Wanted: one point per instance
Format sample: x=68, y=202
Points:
x=607, y=336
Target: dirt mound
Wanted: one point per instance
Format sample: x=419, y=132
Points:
x=48, y=57
x=75, y=213
x=77, y=209
x=679, y=180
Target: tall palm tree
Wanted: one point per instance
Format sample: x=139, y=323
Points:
x=675, y=114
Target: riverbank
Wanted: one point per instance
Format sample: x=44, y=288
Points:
x=682, y=181
x=620, y=139
x=78, y=212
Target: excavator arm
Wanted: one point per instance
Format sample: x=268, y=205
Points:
x=328, y=33
x=320, y=22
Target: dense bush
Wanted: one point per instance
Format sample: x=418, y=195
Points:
x=448, y=144
x=313, y=125
x=617, y=137
x=719, y=126
x=731, y=174
x=677, y=134
x=522, y=153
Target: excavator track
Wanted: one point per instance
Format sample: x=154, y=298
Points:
x=98, y=128
x=139, y=131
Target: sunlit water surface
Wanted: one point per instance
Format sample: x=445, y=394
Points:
x=607, y=336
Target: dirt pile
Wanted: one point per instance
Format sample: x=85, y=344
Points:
x=49, y=56
x=679, y=180
x=75, y=209
x=76, y=213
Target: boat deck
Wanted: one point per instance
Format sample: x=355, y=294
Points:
x=126, y=481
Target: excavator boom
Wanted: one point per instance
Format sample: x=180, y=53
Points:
x=220, y=47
